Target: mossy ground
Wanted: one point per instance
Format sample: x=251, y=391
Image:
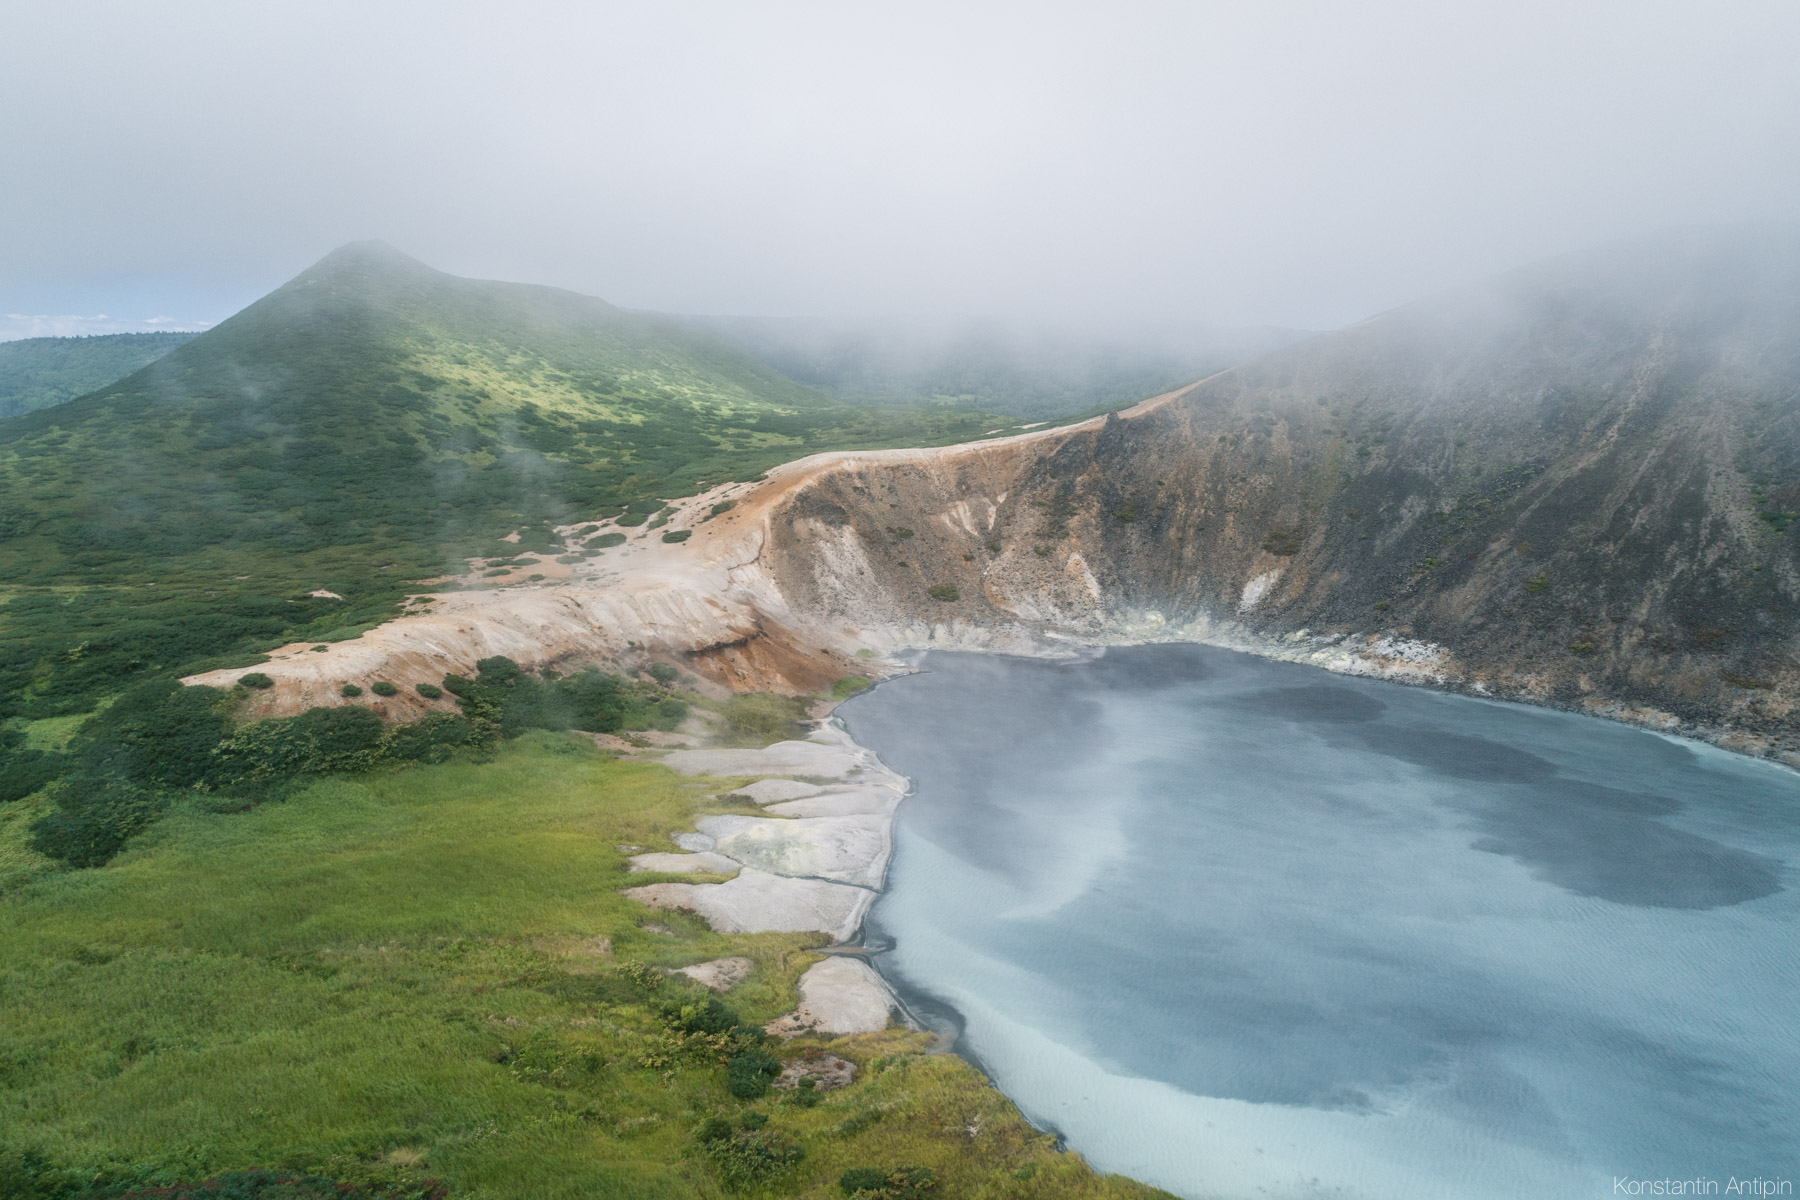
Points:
x=416, y=974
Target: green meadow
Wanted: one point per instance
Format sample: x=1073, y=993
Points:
x=429, y=974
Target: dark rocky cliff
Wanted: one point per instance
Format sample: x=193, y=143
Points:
x=1577, y=481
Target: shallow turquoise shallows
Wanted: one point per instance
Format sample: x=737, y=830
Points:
x=1241, y=928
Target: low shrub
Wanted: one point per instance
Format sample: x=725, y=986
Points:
x=749, y=1156
x=663, y=673
x=157, y=734
x=24, y=770
x=350, y=690
x=678, y=535
x=431, y=739
x=382, y=687
x=749, y=1074
x=631, y=520
x=944, y=591
x=257, y=680
x=95, y=816
x=430, y=691
x=889, y=1183
x=1282, y=542
x=606, y=540
x=703, y=1015
x=320, y=741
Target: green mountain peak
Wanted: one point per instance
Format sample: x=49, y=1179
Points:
x=369, y=423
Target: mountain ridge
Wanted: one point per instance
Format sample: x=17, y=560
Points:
x=42, y=372
x=370, y=422
x=1555, y=490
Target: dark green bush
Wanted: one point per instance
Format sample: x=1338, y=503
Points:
x=498, y=671
x=888, y=1183
x=703, y=1015
x=631, y=521
x=862, y=1179
x=663, y=673
x=156, y=734
x=606, y=540
x=713, y=1129
x=22, y=770
x=257, y=680
x=667, y=714
x=95, y=816
x=433, y=738
x=382, y=687
x=319, y=741
x=430, y=691
x=945, y=591
x=350, y=691
x=678, y=535
x=752, y=1156
x=749, y=1074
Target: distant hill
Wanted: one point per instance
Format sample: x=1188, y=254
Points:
x=1029, y=372
x=366, y=424
x=39, y=372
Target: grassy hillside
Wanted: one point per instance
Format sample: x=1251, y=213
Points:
x=429, y=974
x=40, y=372
x=363, y=426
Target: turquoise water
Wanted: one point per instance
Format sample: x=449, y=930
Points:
x=1241, y=928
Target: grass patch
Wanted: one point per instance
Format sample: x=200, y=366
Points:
x=759, y=718
x=430, y=974
x=848, y=686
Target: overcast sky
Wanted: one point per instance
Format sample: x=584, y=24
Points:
x=1252, y=162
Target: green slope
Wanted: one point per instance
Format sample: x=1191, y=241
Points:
x=431, y=974
x=40, y=372
x=367, y=424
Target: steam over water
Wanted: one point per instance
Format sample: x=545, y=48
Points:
x=1243, y=928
